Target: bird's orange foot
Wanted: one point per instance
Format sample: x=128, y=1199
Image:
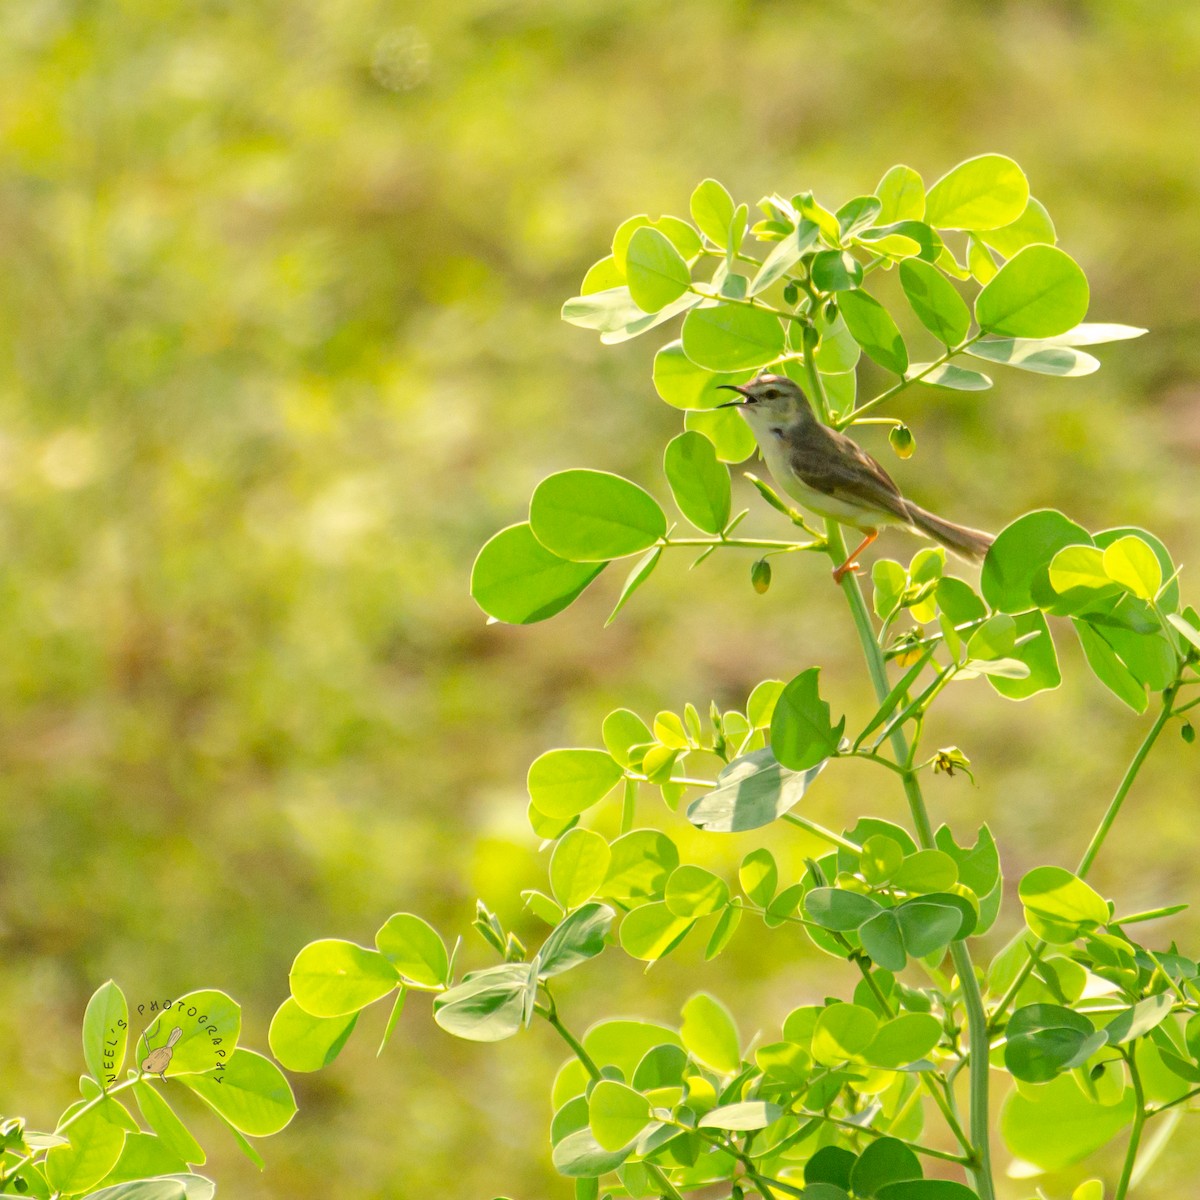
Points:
x=839, y=573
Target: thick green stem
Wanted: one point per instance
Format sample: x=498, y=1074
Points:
x=977, y=1033
x=1135, y=1134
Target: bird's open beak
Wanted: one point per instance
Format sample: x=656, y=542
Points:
x=742, y=389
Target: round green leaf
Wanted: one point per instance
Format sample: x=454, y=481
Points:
x=931, y=924
x=616, y=1114
x=986, y=192
x=169, y=1129
x=712, y=209
x=642, y=861
x=517, y=580
x=653, y=931
x=880, y=858
x=758, y=876
x=92, y=1151
x=925, y=1189
x=751, y=791
x=830, y=1165
x=1043, y=1040
x=1057, y=1124
x=654, y=270
x=699, y=483
x=683, y=384
x=742, y=1117
x=1032, y=226
x=874, y=330
x=579, y=937
x=732, y=337
x=580, y=1156
x=592, y=516
x=883, y=939
x=1132, y=563
x=732, y=438
x=251, y=1093
x=414, y=948
x=488, y=1006
x=578, y=867
x=332, y=978
x=710, y=1035
x=901, y=194
x=1018, y=563
x=105, y=1033
x=839, y=909
x=843, y=1032
x=695, y=892
x=934, y=299
x=1039, y=293
x=926, y=871
x=802, y=733
x=1059, y=906
x=302, y=1042
x=885, y=1160
x=836, y=271
x=903, y=1040
x=562, y=783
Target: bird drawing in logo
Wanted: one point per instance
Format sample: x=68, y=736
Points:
x=157, y=1061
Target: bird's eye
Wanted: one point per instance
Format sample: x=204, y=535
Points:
x=771, y=394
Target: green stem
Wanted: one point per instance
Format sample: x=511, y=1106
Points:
x=1131, y=773
x=907, y=382
x=977, y=1033
x=834, y=839
x=1135, y=1134
x=741, y=543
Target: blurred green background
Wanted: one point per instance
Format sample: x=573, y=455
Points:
x=280, y=348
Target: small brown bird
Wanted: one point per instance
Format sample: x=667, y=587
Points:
x=157, y=1061
x=834, y=477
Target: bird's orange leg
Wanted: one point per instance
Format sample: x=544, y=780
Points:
x=850, y=565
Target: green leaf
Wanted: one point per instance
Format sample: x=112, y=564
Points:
x=653, y=931
x=579, y=937
x=106, y=1033
x=655, y=271
x=732, y=337
x=883, y=1161
x=1043, y=1040
x=641, y=571
x=712, y=209
x=1169, y=600
x=642, y=861
x=1094, y=334
x=580, y=1156
x=250, y=1092
x=786, y=254
x=1039, y=293
x=836, y=271
x=889, y=581
x=1130, y=562
x=696, y=892
x=947, y=375
x=750, y=792
x=591, y=516
x=415, y=949
x=1032, y=226
x=732, y=438
x=302, y=1042
x=925, y=1189
x=903, y=1039
x=880, y=859
x=874, y=330
x=931, y=923
x=623, y=1044
x=842, y=1033
x=209, y=1022
x=839, y=909
x=1077, y=572
x=161, y=1118
x=333, y=978
x=1057, y=1124
x=802, y=733
x=837, y=352
x=858, y=214
x=616, y=1114
x=987, y=192
x=742, y=1117
x=723, y=931
x=622, y=730
x=606, y=311
x=758, y=876
x=934, y=299
x=1137, y=1020
x=515, y=579
x=602, y=275
x=1018, y=563
x=699, y=483
x=710, y=1035
x=1037, y=655
x=682, y=384
x=830, y=1165
x=488, y=1006
x=926, y=871
x=901, y=195
x=1109, y=669
x=1036, y=355
x=563, y=783
x=578, y=867
x=92, y=1151
x=1059, y=906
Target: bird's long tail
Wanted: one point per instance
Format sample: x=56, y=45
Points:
x=971, y=544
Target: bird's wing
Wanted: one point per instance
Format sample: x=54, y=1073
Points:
x=837, y=466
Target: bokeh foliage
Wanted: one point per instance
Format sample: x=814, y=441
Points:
x=279, y=350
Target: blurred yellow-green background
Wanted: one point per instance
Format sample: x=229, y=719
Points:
x=280, y=347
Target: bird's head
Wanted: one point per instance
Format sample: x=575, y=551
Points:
x=769, y=400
